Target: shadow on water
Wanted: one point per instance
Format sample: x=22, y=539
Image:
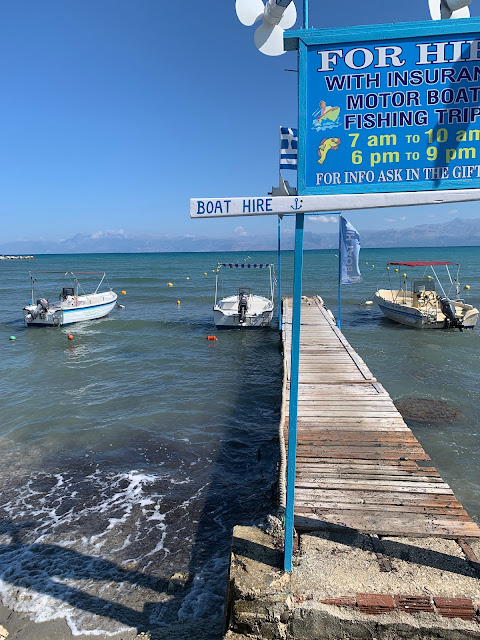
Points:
x=248, y=452
x=241, y=489
x=68, y=564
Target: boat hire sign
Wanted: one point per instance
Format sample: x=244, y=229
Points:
x=389, y=108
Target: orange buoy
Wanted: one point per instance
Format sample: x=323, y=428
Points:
x=211, y=337
x=70, y=337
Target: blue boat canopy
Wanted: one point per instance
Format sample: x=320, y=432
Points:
x=243, y=265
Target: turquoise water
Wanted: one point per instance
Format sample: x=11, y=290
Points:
x=130, y=451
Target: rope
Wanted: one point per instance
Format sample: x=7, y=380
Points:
x=282, y=472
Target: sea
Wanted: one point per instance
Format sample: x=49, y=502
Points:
x=131, y=450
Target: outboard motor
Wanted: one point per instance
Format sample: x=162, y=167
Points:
x=42, y=307
x=448, y=309
x=242, y=306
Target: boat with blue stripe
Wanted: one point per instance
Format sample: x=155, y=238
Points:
x=72, y=304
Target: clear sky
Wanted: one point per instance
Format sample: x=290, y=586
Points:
x=116, y=112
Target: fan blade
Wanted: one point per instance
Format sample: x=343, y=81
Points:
x=435, y=12
x=289, y=17
x=444, y=9
x=457, y=5
x=269, y=39
x=461, y=13
x=249, y=11
x=281, y=13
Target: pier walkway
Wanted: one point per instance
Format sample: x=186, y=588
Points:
x=357, y=461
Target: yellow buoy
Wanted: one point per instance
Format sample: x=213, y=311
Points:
x=404, y=275
x=205, y=273
x=124, y=293
x=188, y=278
x=429, y=277
x=170, y=284
x=396, y=270
x=467, y=287
x=373, y=266
x=366, y=262
x=178, y=301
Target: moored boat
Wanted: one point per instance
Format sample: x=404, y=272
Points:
x=244, y=310
x=72, y=305
x=423, y=302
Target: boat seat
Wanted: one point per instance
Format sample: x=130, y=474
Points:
x=424, y=298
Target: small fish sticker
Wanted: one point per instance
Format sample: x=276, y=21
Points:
x=325, y=146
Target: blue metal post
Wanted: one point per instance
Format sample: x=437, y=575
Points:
x=294, y=375
x=279, y=278
x=305, y=14
x=339, y=314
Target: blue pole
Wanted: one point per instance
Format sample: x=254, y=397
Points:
x=279, y=277
x=305, y=14
x=339, y=314
x=294, y=376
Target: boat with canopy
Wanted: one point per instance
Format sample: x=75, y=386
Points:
x=72, y=304
x=420, y=300
x=244, y=310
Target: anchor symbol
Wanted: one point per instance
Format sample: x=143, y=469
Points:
x=296, y=207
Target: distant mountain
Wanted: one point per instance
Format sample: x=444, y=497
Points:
x=458, y=232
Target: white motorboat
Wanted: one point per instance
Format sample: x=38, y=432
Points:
x=72, y=304
x=244, y=310
x=423, y=302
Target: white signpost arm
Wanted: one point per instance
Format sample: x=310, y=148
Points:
x=282, y=205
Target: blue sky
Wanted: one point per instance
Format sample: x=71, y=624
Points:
x=116, y=112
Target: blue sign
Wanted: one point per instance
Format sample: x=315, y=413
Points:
x=390, y=108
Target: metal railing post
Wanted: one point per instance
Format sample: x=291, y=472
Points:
x=294, y=378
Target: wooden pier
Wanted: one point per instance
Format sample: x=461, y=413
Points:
x=357, y=461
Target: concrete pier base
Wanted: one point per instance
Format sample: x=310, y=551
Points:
x=341, y=587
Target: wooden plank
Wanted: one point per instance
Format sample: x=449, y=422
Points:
x=368, y=469
x=309, y=476
x=363, y=497
x=375, y=485
x=305, y=507
x=419, y=526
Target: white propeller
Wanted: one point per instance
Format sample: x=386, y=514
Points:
x=277, y=16
x=444, y=9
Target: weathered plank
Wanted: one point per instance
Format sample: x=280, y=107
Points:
x=357, y=460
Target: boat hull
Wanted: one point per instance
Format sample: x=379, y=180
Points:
x=412, y=317
x=87, y=308
x=232, y=321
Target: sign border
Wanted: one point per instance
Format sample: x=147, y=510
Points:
x=300, y=40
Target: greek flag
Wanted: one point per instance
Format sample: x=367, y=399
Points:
x=350, y=251
x=288, y=148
